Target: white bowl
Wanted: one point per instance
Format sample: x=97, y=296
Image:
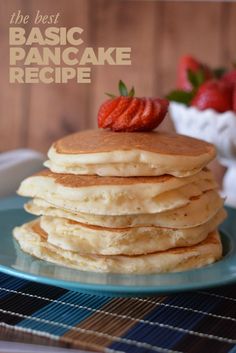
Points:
x=208, y=125
x=214, y=127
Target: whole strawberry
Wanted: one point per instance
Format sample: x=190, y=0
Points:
x=230, y=77
x=129, y=113
x=234, y=99
x=188, y=63
x=214, y=94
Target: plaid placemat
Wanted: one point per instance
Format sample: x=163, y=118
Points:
x=189, y=322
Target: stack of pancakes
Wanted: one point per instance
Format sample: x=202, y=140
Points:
x=124, y=203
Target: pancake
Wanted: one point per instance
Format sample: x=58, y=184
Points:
x=198, y=211
x=107, y=153
x=116, y=196
x=87, y=239
x=33, y=240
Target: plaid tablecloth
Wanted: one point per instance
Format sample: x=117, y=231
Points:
x=203, y=321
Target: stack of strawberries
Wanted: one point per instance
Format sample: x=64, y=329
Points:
x=204, y=88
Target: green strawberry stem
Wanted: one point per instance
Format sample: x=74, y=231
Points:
x=123, y=91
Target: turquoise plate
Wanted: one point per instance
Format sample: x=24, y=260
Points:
x=15, y=262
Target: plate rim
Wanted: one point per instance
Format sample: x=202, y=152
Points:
x=108, y=288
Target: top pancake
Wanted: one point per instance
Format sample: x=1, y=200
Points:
x=95, y=141
x=107, y=153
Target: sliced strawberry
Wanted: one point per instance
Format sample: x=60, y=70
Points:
x=106, y=109
x=163, y=105
x=108, y=116
x=151, y=114
x=215, y=95
x=137, y=117
x=128, y=113
x=125, y=119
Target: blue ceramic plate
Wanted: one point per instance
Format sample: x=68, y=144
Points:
x=15, y=262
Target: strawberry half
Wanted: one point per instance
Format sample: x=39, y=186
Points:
x=128, y=113
x=188, y=63
x=214, y=94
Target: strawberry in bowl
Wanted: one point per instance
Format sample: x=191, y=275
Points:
x=206, y=109
x=214, y=94
x=128, y=113
x=188, y=63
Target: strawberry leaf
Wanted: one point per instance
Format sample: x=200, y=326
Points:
x=131, y=92
x=110, y=95
x=196, y=78
x=200, y=77
x=192, y=78
x=123, y=89
x=180, y=96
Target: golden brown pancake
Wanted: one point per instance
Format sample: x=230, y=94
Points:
x=116, y=196
x=106, y=153
x=198, y=211
x=95, y=141
x=81, y=181
x=87, y=239
x=33, y=240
